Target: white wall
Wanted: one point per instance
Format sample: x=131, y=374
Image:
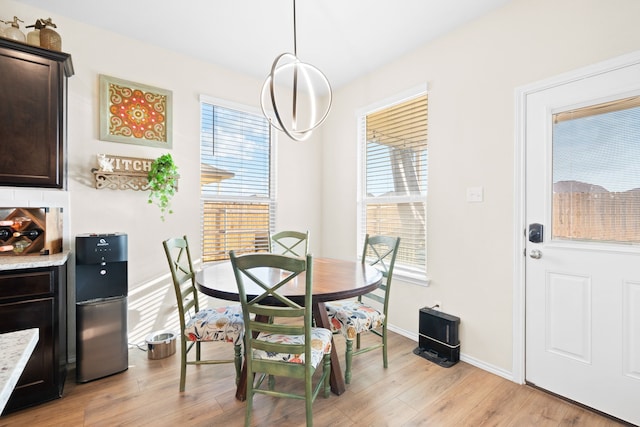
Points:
x=472, y=75
x=95, y=51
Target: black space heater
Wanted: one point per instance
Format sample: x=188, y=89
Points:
x=438, y=337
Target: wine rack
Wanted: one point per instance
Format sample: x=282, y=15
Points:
x=46, y=220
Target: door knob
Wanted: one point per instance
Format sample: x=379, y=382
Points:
x=535, y=254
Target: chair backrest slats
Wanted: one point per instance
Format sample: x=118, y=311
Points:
x=277, y=311
x=259, y=316
x=272, y=347
x=182, y=275
x=277, y=328
x=289, y=242
x=381, y=252
x=188, y=304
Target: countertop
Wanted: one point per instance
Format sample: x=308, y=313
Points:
x=12, y=262
x=15, y=351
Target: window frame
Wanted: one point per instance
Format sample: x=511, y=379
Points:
x=405, y=272
x=271, y=200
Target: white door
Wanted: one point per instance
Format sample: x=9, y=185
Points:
x=582, y=148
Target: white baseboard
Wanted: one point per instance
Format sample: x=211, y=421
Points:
x=487, y=367
x=411, y=335
x=465, y=358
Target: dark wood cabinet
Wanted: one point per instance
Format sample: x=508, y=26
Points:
x=36, y=298
x=33, y=104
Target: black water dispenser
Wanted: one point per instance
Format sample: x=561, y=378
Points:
x=101, y=305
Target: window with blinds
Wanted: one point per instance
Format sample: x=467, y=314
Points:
x=394, y=159
x=236, y=181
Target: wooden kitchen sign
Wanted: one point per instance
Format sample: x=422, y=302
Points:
x=109, y=163
x=121, y=173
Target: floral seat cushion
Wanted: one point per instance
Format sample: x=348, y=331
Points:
x=332, y=309
x=216, y=324
x=353, y=317
x=320, y=345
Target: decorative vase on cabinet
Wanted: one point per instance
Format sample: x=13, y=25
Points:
x=33, y=115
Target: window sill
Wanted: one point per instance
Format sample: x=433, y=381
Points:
x=414, y=279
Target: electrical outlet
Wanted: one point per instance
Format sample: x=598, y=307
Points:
x=437, y=305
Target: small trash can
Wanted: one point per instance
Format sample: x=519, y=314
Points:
x=161, y=344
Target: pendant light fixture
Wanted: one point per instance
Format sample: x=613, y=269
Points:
x=296, y=97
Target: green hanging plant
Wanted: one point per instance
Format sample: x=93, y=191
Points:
x=163, y=183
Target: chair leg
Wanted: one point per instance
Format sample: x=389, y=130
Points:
x=348, y=358
x=385, y=360
x=308, y=399
x=327, y=374
x=237, y=361
x=357, y=341
x=249, y=399
x=183, y=363
x=198, y=351
x=247, y=416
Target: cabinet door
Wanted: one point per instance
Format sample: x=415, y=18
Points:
x=32, y=93
x=38, y=381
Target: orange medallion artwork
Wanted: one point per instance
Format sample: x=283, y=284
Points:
x=137, y=113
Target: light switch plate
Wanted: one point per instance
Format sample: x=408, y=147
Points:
x=475, y=194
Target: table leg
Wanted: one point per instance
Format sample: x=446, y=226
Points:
x=322, y=320
x=241, y=390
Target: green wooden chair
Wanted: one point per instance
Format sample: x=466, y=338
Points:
x=292, y=243
x=354, y=317
x=197, y=325
x=280, y=340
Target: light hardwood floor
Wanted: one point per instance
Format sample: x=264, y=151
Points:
x=411, y=392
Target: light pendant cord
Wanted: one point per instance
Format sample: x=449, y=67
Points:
x=294, y=98
x=295, y=41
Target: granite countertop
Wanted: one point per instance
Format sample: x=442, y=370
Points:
x=12, y=262
x=15, y=351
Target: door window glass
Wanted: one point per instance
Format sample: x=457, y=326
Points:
x=596, y=173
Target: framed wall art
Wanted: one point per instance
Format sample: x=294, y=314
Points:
x=135, y=113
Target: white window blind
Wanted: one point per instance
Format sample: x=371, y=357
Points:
x=394, y=160
x=236, y=176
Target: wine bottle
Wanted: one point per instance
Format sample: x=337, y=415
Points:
x=30, y=234
x=6, y=248
x=20, y=222
x=16, y=223
x=21, y=245
x=5, y=233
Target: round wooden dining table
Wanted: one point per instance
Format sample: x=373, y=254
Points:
x=333, y=280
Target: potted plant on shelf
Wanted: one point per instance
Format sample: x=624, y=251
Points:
x=163, y=183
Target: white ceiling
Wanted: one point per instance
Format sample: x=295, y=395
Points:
x=343, y=38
